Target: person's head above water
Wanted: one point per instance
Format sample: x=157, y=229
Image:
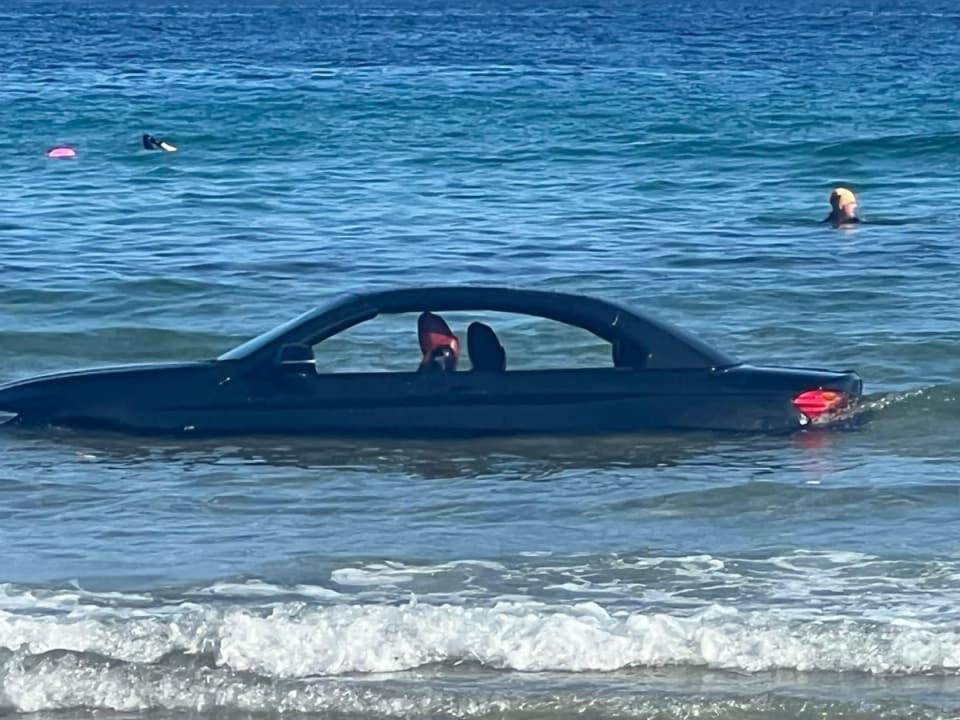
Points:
x=843, y=204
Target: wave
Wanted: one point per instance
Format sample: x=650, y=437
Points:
x=805, y=584
x=113, y=344
x=942, y=398
x=64, y=681
x=295, y=640
x=932, y=145
x=789, y=498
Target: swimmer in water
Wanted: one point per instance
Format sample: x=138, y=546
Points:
x=844, y=208
x=152, y=143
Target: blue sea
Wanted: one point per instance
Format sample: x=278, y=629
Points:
x=677, y=156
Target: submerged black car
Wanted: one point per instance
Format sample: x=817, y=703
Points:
x=656, y=377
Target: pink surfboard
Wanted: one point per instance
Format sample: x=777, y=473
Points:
x=61, y=151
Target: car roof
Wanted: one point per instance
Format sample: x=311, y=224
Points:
x=609, y=320
x=560, y=306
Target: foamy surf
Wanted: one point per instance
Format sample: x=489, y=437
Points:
x=298, y=640
x=67, y=683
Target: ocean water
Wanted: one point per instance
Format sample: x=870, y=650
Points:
x=677, y=156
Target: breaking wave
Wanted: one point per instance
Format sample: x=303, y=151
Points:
x=292, y=640
x=66, y=682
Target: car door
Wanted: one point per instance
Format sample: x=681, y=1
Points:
x=598, y=400
x=372, y=403
x=475, y=406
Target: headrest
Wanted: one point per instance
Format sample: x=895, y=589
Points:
x=486, y=352
x=437, y=341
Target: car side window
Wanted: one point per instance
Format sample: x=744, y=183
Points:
x=385, y=344
x=502, y=342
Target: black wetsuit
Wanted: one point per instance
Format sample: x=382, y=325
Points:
x=848, y=221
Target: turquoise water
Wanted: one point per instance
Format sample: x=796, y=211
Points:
x=675, y=156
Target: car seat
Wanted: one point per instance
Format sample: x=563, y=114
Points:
x=486, y=352
x=440, y=347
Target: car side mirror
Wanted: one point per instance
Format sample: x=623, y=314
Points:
x=296, y=358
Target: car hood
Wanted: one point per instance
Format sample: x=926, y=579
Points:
x=17, y=395
x=105, y=370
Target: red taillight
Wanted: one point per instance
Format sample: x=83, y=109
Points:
x=814, y=403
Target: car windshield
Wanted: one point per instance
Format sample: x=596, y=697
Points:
x=260, y=341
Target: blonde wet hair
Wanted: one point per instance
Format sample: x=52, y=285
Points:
x=842, y=196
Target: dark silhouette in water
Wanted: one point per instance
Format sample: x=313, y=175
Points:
x=152, y=143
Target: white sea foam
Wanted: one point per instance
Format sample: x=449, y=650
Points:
x=294, y=640
x=370, y=576
x=132, y=639
x=263, y=590
x=68, y=683
x=800, y=611
x=17, y=598
x=810, y=584
x=394, y=573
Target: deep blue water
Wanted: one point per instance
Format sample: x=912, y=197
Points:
x=677, y=156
